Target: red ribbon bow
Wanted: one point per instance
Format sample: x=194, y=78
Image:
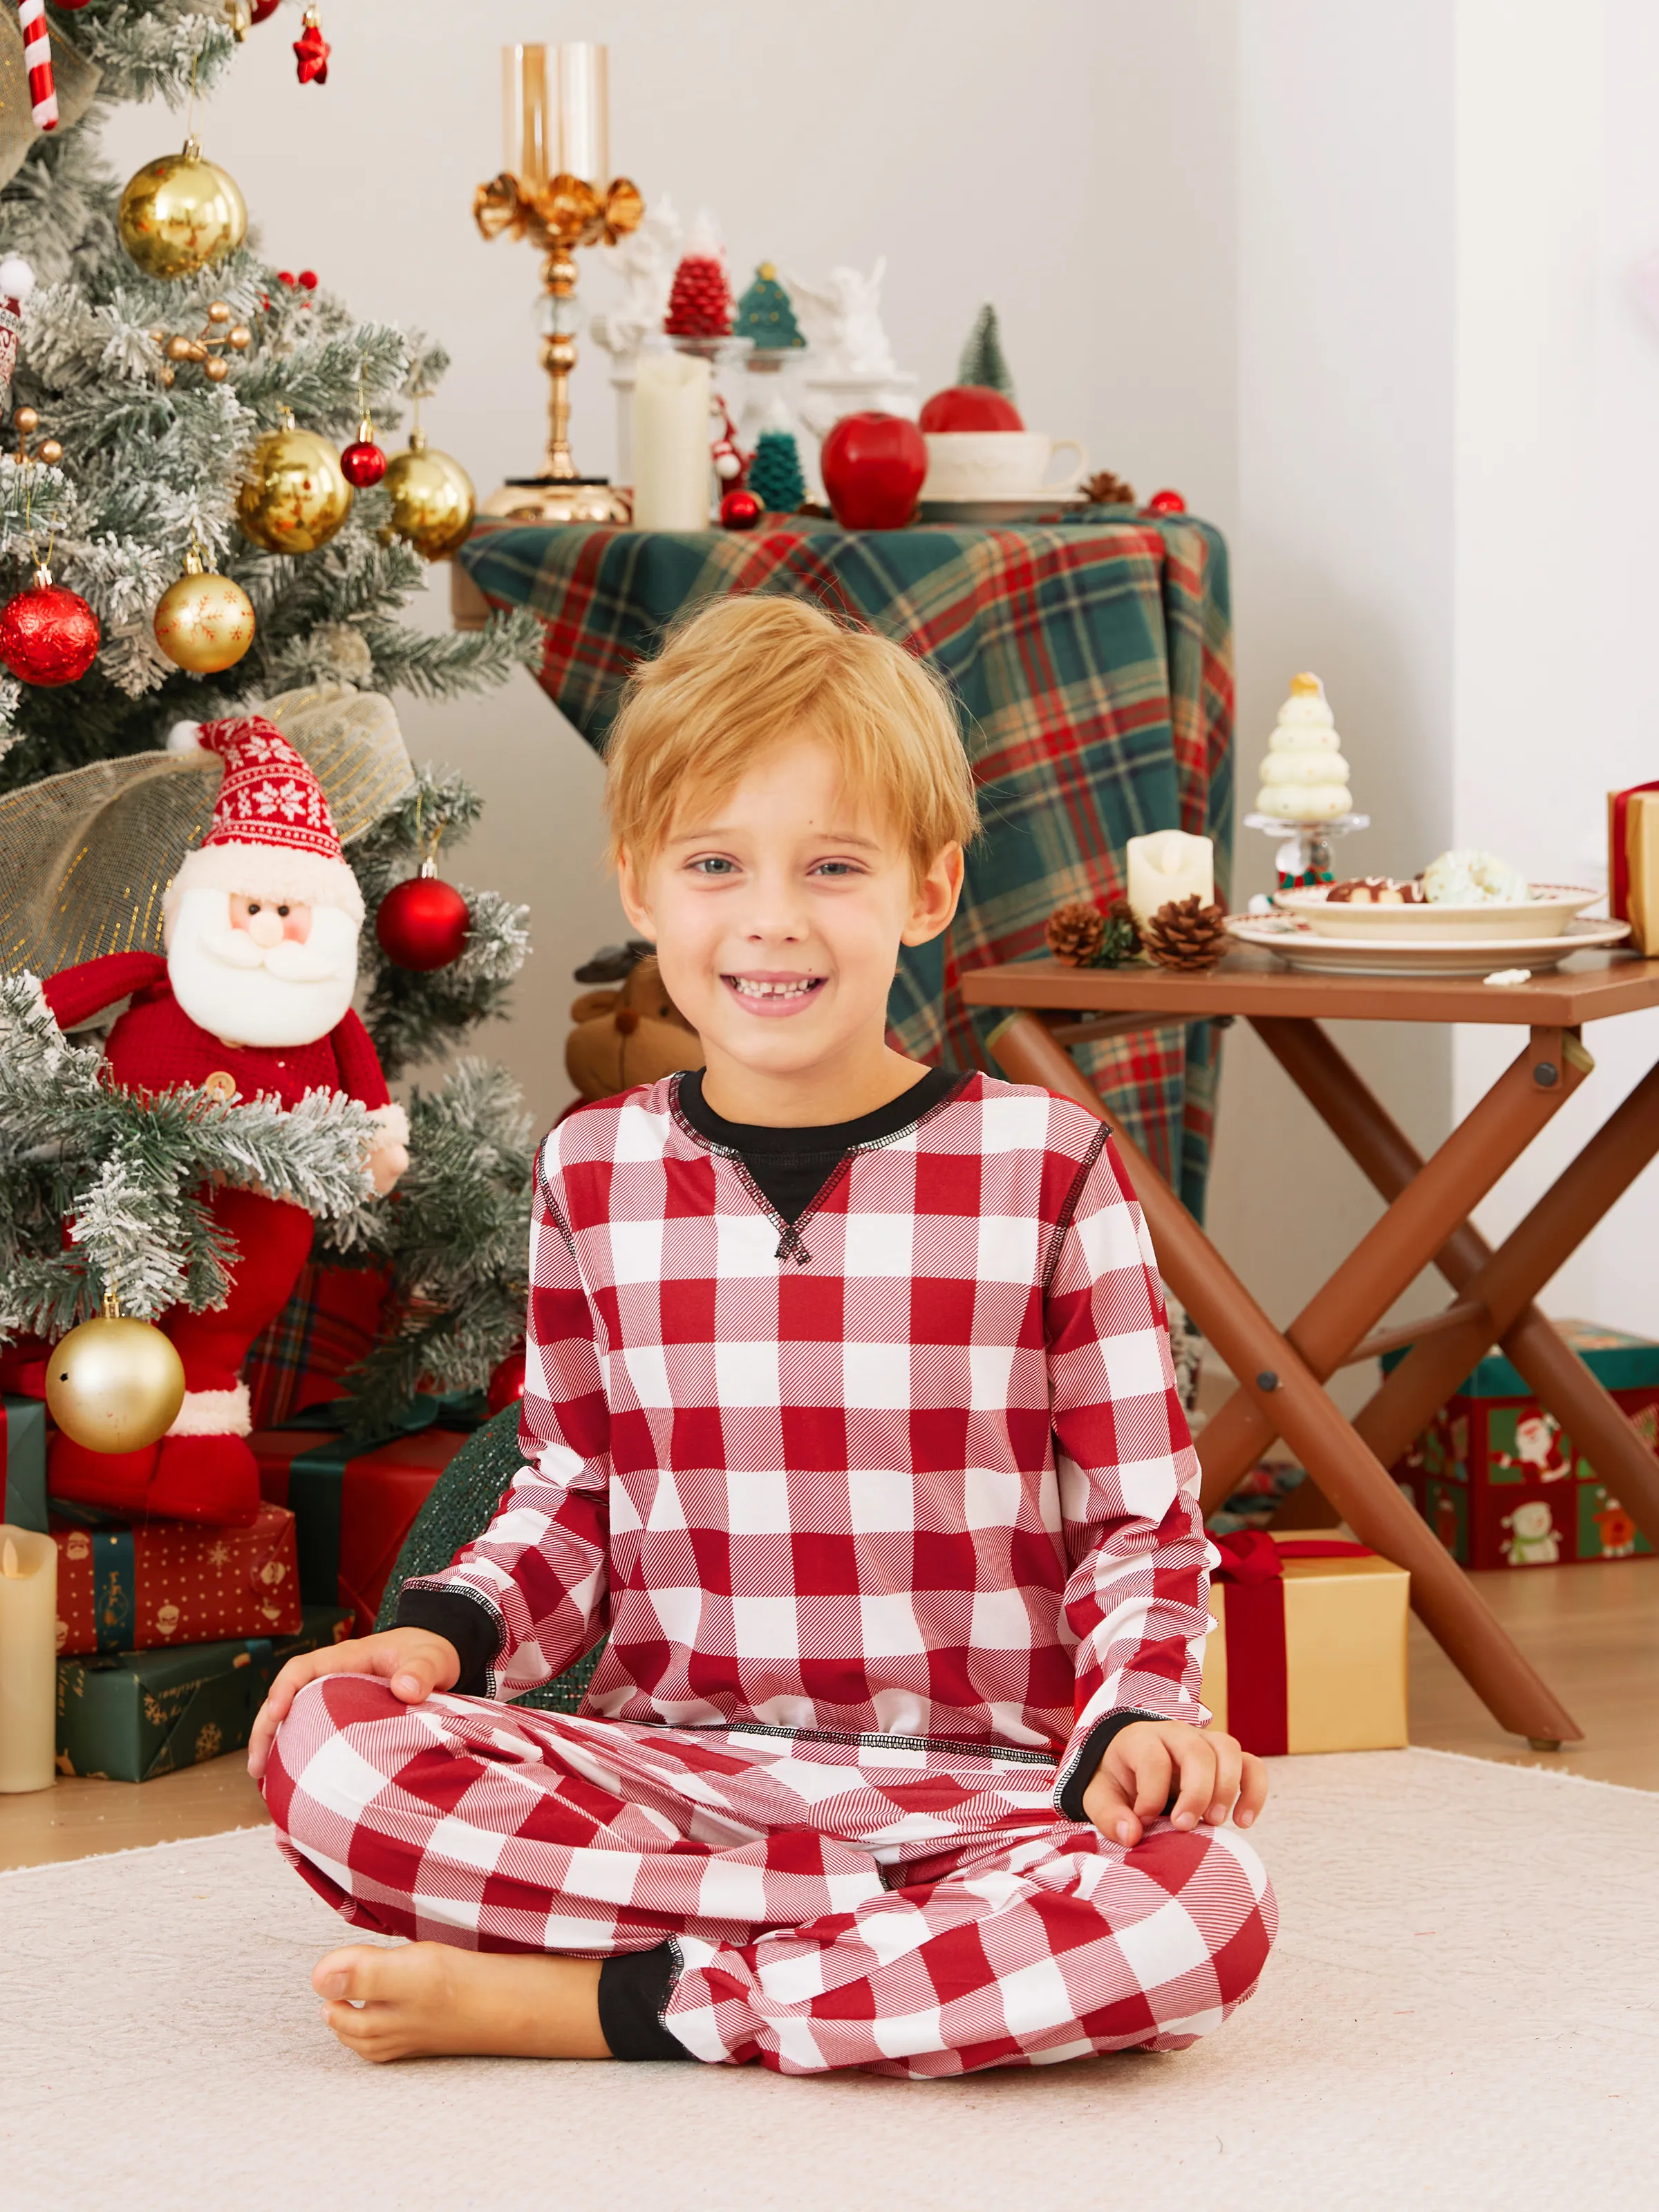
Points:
x=1258, y=1686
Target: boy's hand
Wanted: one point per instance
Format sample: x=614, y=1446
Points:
x=1143, y=1762
x=413, y=1661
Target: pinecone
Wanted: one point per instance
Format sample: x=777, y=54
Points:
x=1187, y=935
x=700, y=303
x=1106, y=489
x=1074, y=932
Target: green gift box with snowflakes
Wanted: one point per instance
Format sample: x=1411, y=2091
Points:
x=1500, y=1482
x=129, y=1715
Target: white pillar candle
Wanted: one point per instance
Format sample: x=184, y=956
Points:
x=28, y=1660
x=672, y=443
x=1169, y=864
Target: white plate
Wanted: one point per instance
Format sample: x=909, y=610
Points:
x=1029, y=506
x=1549, y=910
x=1378, y=954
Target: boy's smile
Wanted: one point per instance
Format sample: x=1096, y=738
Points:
x=778, y=909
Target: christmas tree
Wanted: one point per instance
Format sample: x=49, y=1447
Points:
x=981, y=361
x=766, y=314
x=155, y=446
x=774, y=474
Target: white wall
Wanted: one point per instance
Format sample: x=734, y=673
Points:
x=1079, y=172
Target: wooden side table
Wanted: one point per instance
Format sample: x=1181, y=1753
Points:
x=1281, y=1392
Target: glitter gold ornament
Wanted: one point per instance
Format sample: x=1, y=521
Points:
x=115, y=1385
x=181, y=212
x=432, y=500
x=294, y=495
x=203, y=623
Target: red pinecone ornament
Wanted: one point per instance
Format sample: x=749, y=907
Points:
x=700, y=302
x=48, y=635
x=423, y=923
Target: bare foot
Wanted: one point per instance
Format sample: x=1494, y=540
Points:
x=430, y=2000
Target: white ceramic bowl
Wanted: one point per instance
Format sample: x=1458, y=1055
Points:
x=1546, y=914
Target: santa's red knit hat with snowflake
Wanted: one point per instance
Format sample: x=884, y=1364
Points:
x=272, y=836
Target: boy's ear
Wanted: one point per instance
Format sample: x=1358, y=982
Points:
x=631, y=888
x=936, y=899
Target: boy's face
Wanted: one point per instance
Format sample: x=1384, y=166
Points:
x=778, y=912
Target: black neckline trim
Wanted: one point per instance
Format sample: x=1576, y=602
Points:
x=826, y=1140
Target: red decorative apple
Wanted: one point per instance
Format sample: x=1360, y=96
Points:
x=872, y=467
x=970, y=407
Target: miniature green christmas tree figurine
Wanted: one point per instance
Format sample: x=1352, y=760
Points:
x=766, y=315
x=982, y=359
x=774, y=474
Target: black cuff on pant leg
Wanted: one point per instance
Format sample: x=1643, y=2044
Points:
x=634, y=1987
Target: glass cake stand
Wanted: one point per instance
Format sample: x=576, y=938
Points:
x=1303, y=858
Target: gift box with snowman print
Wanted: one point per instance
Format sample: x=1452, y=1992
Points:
x=1502, y=1485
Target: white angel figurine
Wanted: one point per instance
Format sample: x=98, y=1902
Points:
x=843, y=324
x=644, y=260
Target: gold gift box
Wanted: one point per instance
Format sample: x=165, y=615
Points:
x=1344, y=1654
x=1641, y=813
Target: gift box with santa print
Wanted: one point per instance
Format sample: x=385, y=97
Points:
x=131, y=1715
x=127, y=1587
x=1499, y=1482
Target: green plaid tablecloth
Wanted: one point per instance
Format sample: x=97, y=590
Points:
x=1092, y=662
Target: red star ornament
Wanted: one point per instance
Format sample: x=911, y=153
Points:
x=312, y=51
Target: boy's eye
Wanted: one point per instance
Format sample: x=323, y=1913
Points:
x=835, y=868
x=712, y=864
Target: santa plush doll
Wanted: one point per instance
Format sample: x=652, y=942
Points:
x=252, y=999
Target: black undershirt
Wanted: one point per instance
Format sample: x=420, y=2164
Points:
x=791, y=1166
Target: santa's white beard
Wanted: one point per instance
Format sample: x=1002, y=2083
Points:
x=246, y=994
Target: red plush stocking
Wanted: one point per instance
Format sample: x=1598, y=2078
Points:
x=203, y=1470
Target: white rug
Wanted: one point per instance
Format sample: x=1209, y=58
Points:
x=1461, y=2012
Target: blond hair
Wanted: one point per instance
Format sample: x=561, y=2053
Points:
x=748, y=671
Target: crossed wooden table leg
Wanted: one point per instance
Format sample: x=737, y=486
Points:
x=1281, y=1390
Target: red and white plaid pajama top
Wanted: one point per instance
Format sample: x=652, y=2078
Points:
x=883, y=1512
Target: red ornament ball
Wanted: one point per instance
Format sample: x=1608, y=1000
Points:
x=969, y=407
x=422, y=924
x=873, y=465
x=48, y=635
x=362, y=463
x=506, y=1383
x=739, y=510
x=260, y=11
x=1166, y=502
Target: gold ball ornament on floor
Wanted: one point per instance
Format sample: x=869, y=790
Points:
x=180, y=213
x=294, y=495
x=203, y=623
x=115, y=1385
x=433, y=501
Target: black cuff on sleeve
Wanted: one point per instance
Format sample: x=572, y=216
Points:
x=468, y=1624
x=634, y=1987
x=1094, y=1750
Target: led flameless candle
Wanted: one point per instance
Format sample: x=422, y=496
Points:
x=1169, y=864
x=28, y=1660
x=670, y=442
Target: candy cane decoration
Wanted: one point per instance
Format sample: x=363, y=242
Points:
x=36, y=60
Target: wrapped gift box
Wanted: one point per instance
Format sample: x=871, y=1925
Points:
x=124, y=1587
x=130, y=1715
x=24, y=1462
x=1309, y=1653
x=1502, y=1486
x=352, y=1509
x=1633, y=863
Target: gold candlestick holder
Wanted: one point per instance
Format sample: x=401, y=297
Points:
x=575, y=206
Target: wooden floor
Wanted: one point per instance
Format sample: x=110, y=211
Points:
x=1593, y=1633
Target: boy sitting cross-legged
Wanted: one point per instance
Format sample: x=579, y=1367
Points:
x=849, y=1418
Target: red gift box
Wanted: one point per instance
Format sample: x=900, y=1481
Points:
x=1499, y=1482
x=354, y=1511
x=135, y=1588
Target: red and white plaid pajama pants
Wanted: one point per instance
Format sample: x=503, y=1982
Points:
x=829, y=1904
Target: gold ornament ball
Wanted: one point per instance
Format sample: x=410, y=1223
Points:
x=432, y=500
x=294, y=495
x=203, y=623
x=180, y=213
x=115, y=1386
x=26, y=420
